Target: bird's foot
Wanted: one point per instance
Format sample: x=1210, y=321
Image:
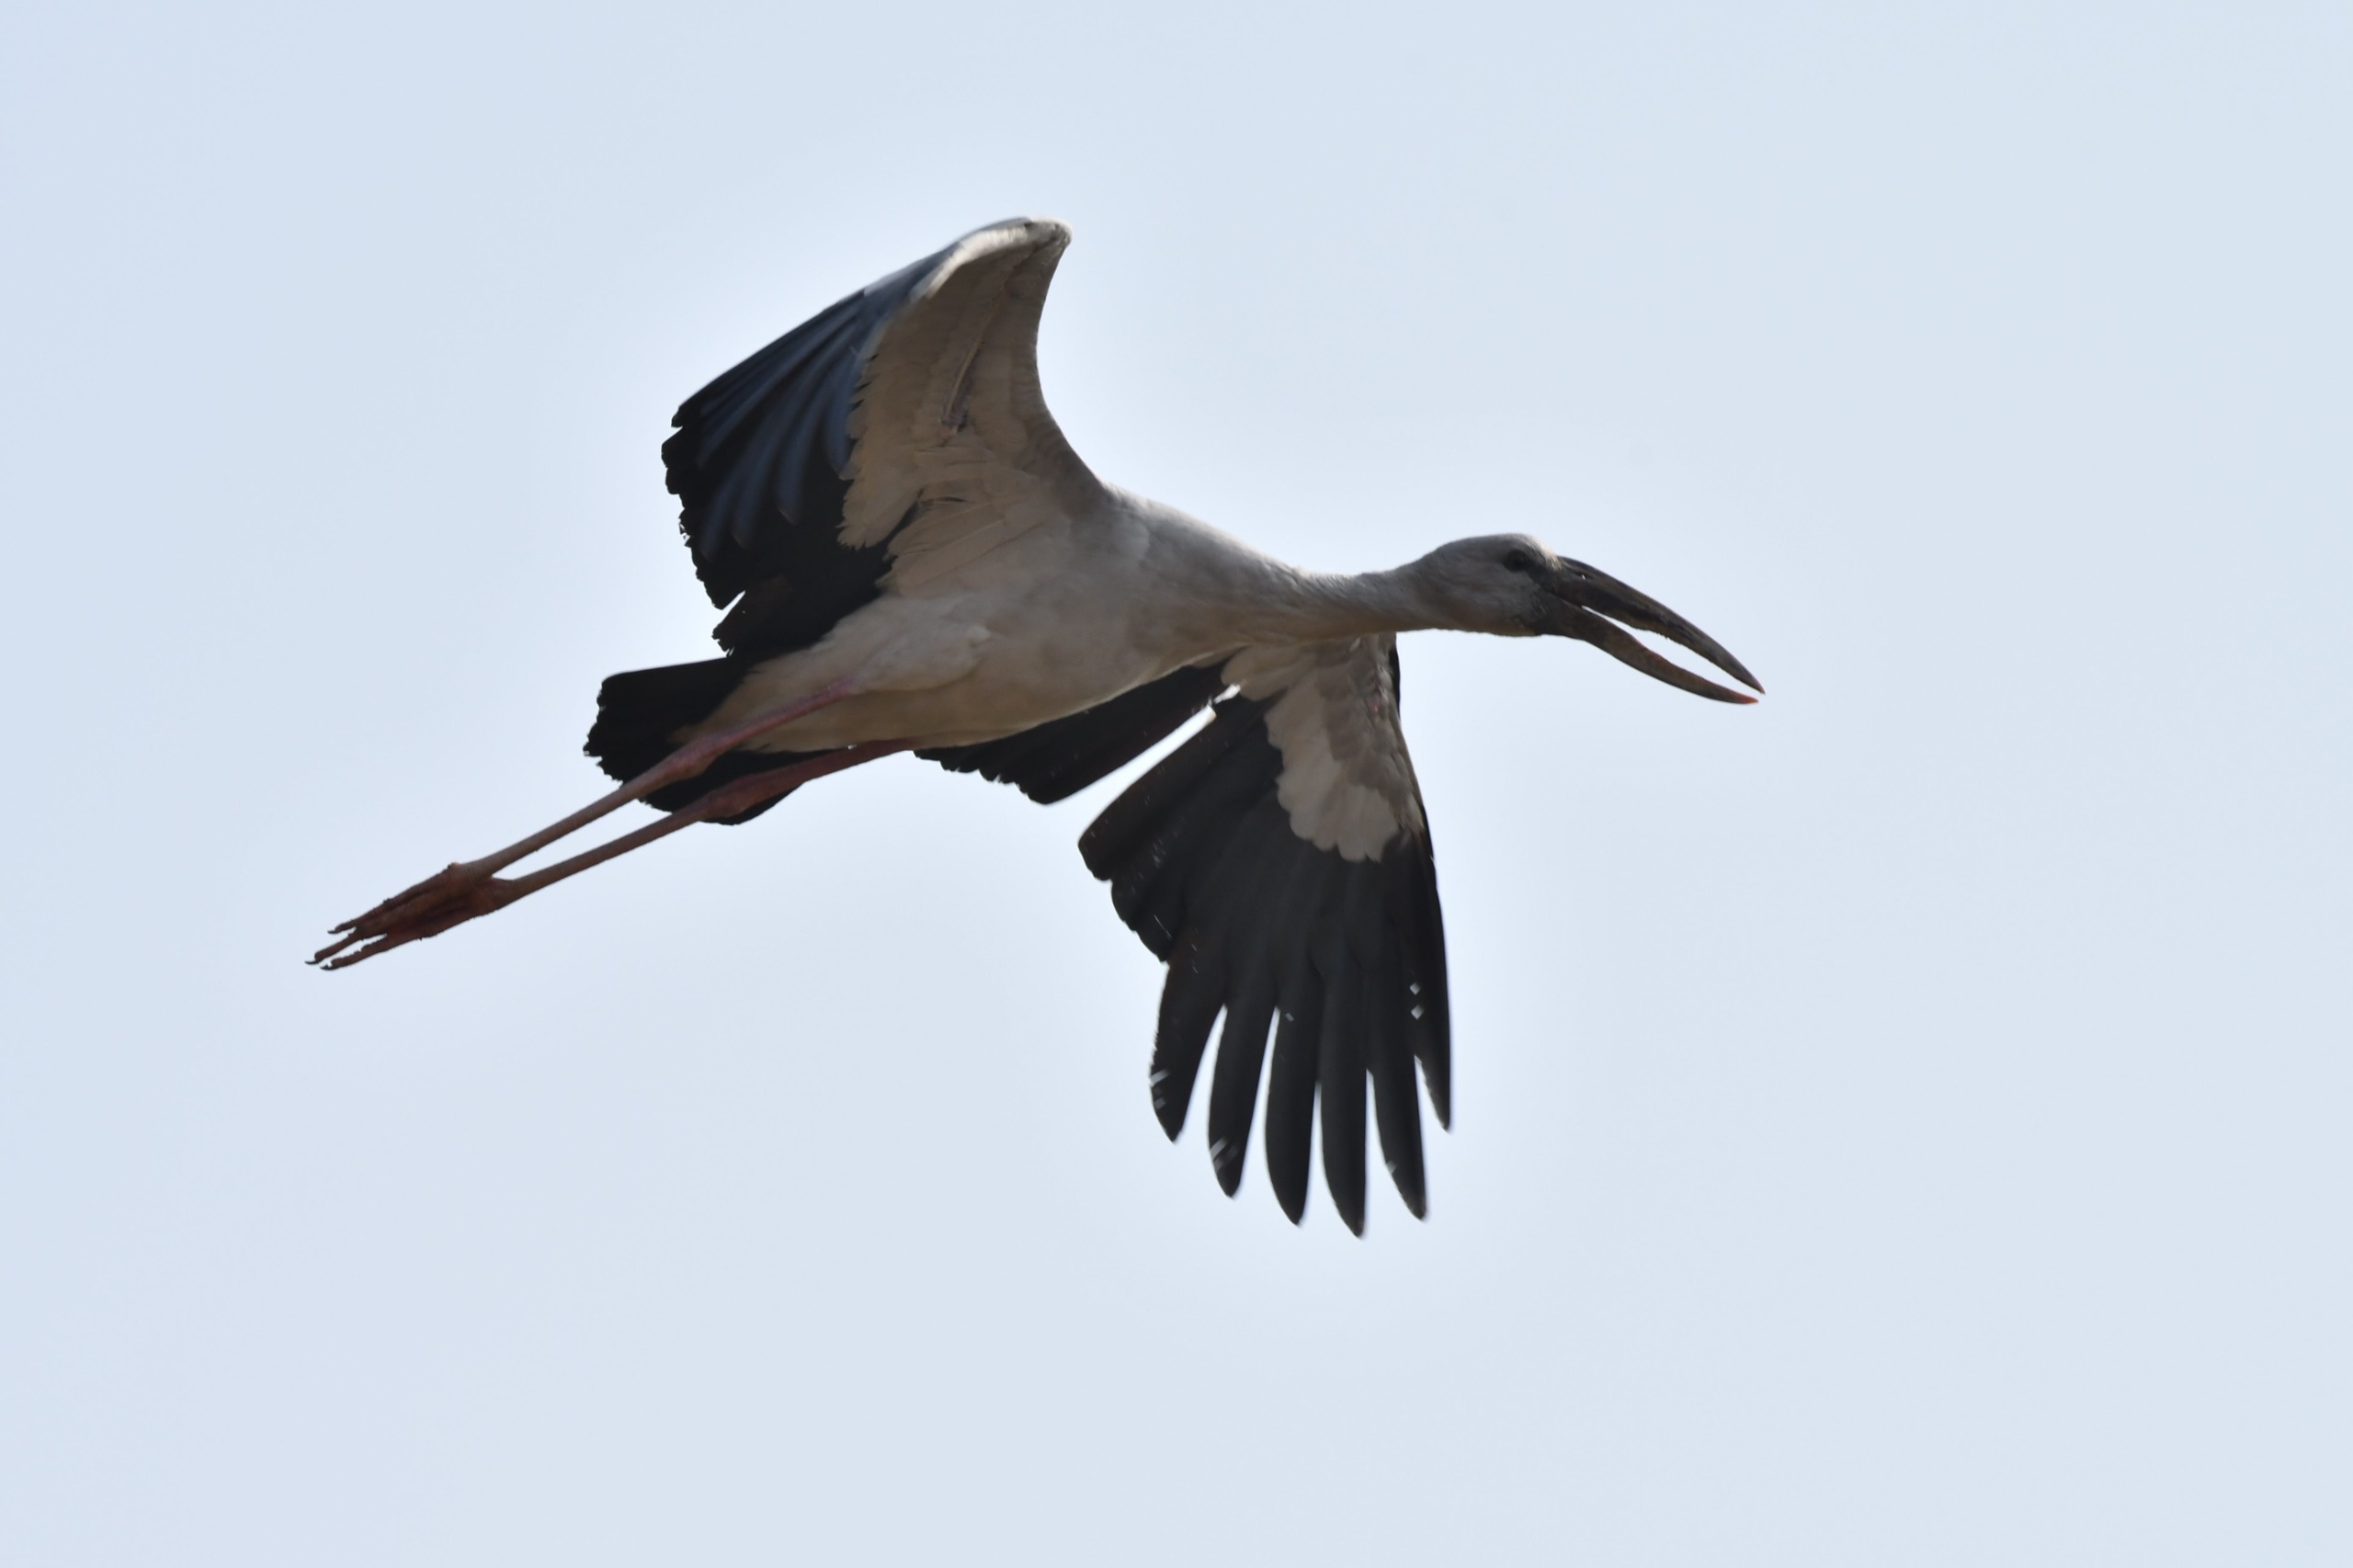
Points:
x=459, y=892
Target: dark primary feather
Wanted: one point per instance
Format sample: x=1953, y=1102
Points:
x=1345, y=959
x=758, y=465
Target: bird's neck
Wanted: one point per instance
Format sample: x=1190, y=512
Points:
x=1322, y=607
x=1212, y=593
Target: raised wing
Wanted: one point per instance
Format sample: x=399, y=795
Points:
x=1281, y=863
x=901, y=428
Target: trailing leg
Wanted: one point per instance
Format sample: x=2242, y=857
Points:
x=469, y=889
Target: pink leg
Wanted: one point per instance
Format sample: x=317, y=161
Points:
x=465, y=890
x=399, y=921
x=685, y=763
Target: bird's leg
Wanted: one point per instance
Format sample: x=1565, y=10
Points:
x=685, y=763
x=459, y=890
x=397, y=922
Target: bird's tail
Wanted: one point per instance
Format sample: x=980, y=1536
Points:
x=641, y=715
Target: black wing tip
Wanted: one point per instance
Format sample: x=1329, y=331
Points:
x=1411, y=1189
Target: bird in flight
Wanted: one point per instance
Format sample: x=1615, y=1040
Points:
x=910, y=558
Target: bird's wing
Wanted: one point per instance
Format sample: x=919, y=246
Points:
x=1059, y=758
x=1280, y=861
x=902, y=430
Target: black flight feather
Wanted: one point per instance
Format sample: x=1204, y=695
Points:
x=1056, y=760
x=759, y=461
x=1347, y=956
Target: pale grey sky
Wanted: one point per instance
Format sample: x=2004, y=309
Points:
x=1902, y=1123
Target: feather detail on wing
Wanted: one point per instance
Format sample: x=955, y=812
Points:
x=1057, y=759
x=902, y=428
x=1280, y=862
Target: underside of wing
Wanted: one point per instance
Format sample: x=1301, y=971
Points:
x=1057, y=760
x=1280, y=862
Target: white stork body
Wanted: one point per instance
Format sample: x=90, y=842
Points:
x=912, y=558
x=1044, y=625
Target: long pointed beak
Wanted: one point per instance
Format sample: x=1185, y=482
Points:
x=1588, y=594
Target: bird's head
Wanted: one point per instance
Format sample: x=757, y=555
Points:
x=1512, y=585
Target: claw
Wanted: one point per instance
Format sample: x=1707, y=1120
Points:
x=457, y=893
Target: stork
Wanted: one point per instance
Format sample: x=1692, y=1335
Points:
x=910, y=558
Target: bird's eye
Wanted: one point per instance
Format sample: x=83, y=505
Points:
x=1518, y=560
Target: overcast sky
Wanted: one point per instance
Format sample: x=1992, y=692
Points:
x=1903, y=1122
